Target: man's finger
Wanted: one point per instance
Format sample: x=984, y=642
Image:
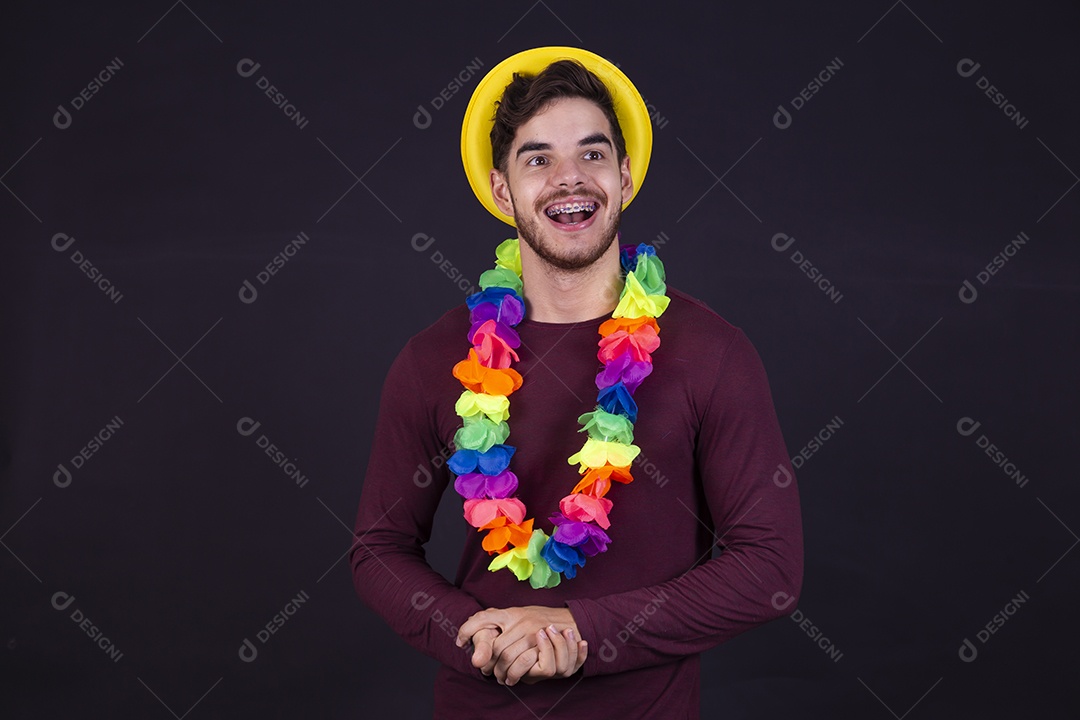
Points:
x=546, y=654
x=489, y=637
x=481, y=619
x=520, y=666
x=482, y=652
x=510, y=654
x=571, y=665
x=561, y=651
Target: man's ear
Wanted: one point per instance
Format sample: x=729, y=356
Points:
x=500, y=191
x=627, y=180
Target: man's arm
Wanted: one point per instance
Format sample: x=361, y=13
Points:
x=754, y=505
x=402, y=488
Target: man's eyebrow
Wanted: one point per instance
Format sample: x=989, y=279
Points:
x=531, y=146
x=594, y=139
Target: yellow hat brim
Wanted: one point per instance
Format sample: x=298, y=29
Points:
x=480, y=116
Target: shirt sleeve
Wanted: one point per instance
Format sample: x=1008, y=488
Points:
x=752, y=498
x=406, y=476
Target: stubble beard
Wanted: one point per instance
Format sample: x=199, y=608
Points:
x=531, y=232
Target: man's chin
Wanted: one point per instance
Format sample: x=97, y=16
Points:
x=567, y=250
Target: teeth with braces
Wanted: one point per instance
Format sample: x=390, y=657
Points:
x=571, y=208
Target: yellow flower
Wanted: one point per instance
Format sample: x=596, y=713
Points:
x=516, y=559
x=635, y=302
x=508, y=255
x=598, y=453
x=495, y=407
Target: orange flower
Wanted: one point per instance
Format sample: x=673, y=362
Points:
x=480, y=379
x=598, y=480
x=501, y=534
x=630, y=325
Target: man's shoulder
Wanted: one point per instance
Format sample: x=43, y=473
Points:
x=446, y=334
x=693, y=318
x=449, y=323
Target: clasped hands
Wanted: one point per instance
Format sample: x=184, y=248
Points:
x=526, y=644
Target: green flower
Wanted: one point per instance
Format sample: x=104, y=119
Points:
x=508, y=255
x=479, y=433
x=542, y=575
x=602, y=425
x=500, y=277
x=650, y=273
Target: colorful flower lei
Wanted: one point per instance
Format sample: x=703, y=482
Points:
x=481, y=460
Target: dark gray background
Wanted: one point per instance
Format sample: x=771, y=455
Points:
x=180, y=180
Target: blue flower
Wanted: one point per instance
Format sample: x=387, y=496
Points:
x=628, y=255
x=492, y=462
x=562, y=558
x=492, y=294
x=617, y=400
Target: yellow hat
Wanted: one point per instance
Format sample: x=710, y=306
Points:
x=479, y=116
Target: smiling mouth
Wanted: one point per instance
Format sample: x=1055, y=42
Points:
x=571, y=213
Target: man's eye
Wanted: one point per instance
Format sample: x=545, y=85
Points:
x=538, y=160
x=594, y=155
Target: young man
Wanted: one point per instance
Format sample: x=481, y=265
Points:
x=599, y=604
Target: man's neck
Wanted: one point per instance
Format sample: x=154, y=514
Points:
x=553, y=295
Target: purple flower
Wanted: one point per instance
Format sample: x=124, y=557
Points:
x=586, y=537
x=478, y=485
x=496, y=303
x=624, y=369
x=510, y=311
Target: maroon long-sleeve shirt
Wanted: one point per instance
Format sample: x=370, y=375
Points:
x=713, y=470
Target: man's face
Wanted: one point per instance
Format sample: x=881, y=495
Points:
x=565, y=155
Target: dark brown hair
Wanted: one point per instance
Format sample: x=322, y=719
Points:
x=526, y=95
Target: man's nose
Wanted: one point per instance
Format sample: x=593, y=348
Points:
x=569, y=173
